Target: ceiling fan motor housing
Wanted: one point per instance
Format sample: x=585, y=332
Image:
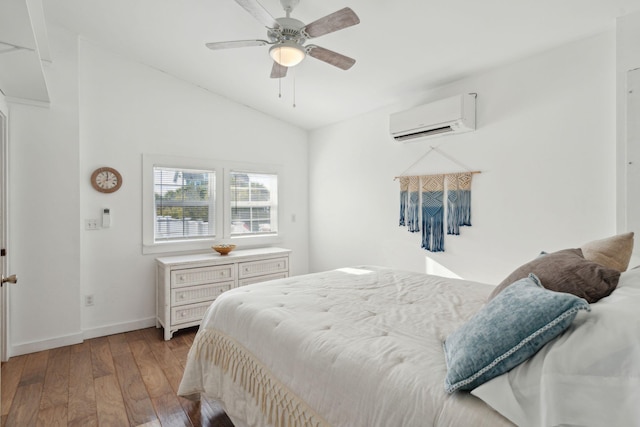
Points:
x=290, y=30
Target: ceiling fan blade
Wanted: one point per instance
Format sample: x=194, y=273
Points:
x=336, y=21
x=278, y=71
x=235, y=43
x=330, y=57
x=259, y=12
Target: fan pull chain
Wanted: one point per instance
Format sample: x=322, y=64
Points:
x=280, y=78
x=294, y=89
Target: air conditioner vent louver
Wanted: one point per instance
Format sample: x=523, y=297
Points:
x=424, y=133
x=446, y=116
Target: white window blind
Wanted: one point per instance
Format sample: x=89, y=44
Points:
x=184, y=203
x=254, y=203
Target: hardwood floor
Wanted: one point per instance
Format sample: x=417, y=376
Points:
x=126, y=379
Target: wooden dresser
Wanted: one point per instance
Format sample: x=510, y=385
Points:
x=186, y=285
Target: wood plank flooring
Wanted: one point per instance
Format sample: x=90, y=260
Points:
x=128, y=379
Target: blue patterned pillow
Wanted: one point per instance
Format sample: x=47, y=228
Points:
x=507, y=331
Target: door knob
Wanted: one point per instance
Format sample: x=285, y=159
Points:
x=10, y=279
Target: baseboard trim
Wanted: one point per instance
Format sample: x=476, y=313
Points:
x=71, y=339
x=118, y=328
x=35, y=346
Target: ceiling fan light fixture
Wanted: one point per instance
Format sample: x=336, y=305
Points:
x=287, y=54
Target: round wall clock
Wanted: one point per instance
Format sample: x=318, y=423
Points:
x=106, y=180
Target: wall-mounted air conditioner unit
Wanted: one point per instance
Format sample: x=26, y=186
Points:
x=446, y=116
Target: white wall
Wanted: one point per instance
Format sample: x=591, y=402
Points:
x=127, y=109
x=106, y=110
x=545, y=144
x=627, y=58
x=44, y=206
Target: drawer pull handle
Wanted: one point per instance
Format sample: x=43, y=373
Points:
x=183, y=314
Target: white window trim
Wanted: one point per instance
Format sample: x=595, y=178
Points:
x=252, y=240
x=222, y=207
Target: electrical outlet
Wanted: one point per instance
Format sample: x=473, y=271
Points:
x=91, y=224
x=88, y=300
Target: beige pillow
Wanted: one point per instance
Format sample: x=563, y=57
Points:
x=613, y=252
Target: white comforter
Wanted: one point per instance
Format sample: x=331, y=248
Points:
x=350, y=347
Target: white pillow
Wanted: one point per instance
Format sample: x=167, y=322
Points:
x=589, y=376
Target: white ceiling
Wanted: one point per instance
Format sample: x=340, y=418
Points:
x=401, y=46
x=21, y=74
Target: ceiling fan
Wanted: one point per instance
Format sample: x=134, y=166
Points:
x=287, y=36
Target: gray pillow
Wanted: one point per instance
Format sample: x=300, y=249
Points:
x=567, y=271
x=507, y=331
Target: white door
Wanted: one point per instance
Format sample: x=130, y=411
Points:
x=3, y=297
x=4, y=185
x=633, y=153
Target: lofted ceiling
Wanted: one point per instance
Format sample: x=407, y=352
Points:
x=401, y=46
x=23, y=49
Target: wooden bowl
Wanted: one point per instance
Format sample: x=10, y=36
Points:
x=223, y=249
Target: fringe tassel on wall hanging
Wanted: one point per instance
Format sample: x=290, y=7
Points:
x=413, y=216
x=404, y=198
x=464, y=188
x=433, y=213
x=453, y=213
x=458, y=201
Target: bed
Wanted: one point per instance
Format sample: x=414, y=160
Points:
x=363, y=346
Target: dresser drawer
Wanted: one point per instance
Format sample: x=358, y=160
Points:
x=263, y=267
x=202, y=275
x=258, y=279
x=193, y=294
x=188, y=313
x=186, y=285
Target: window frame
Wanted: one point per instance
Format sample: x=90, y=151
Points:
x=222, y=207
x=211, y=203
x=252, y=239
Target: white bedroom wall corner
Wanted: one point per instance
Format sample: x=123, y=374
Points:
x=45, y=235
x=129, y=109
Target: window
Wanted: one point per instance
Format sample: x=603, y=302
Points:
x=254, y=203
x=192, y=203
x=184, y=203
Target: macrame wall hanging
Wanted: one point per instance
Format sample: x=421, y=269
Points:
x=458, y=201
x=428, y=192
x=432, y=212
x=414, y=204
x=404, y=198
